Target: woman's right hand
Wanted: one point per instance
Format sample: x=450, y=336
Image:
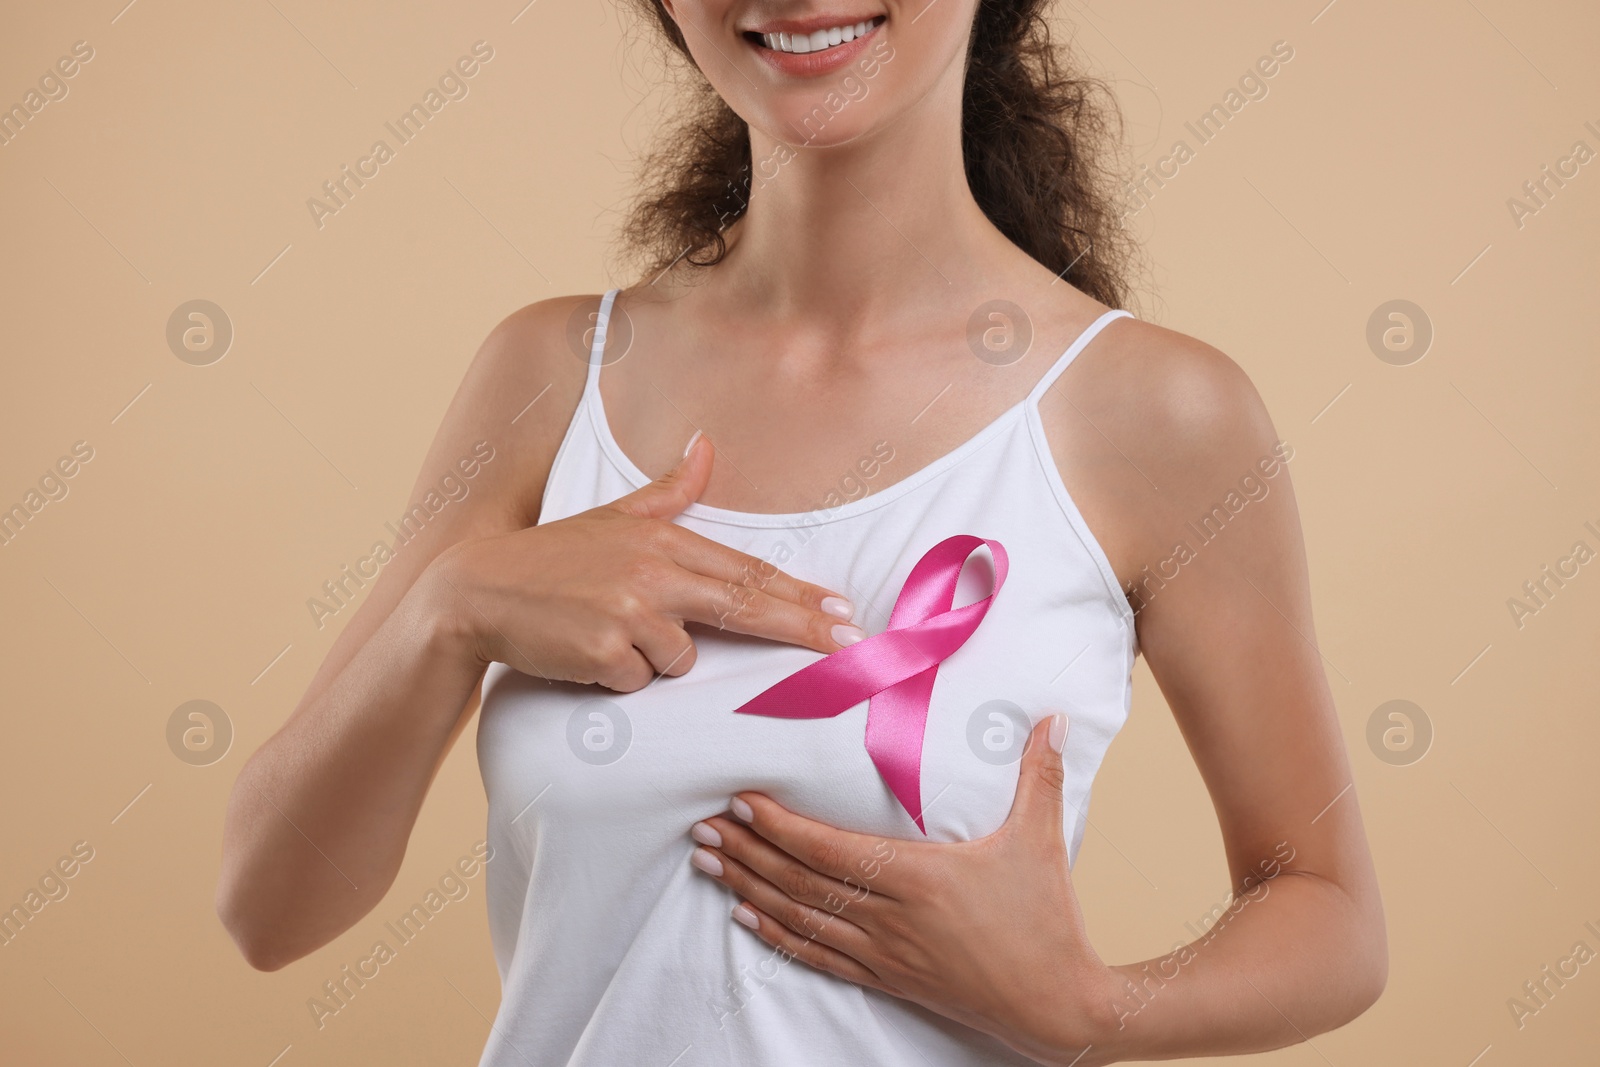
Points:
x=603, y=596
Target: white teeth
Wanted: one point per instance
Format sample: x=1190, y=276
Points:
x=803, y=43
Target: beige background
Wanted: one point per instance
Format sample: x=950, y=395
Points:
x=178, y=566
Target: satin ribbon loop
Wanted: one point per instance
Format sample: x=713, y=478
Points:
x=894, y=670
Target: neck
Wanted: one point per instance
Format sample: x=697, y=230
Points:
x=855, y=229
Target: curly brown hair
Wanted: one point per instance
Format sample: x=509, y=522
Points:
x=1040, y=144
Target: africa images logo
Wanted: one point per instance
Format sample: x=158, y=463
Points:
x=452, y=85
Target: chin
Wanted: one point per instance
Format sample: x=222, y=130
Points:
x=828, y=73
x=835, y=105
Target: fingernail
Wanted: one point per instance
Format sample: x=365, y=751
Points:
x=845, y=635
x=741, y=811
x=706, y=834
x=838, y=607
x=690, y=446
x=707, y=862
x=745, y=917
x=1058, y=731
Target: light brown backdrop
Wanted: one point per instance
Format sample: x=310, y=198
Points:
x=220, y=497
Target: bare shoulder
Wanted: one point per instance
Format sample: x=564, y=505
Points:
x=1184, y=396
x=1148, y=427
x=516, y=397
x=544, y=340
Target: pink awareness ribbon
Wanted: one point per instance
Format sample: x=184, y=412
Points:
x=894, y=670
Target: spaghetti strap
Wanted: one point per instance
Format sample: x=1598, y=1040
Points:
x=597, y=349
x=1071, y=353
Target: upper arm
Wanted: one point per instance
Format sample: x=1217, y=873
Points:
x=1173, y=458
x=524, y=357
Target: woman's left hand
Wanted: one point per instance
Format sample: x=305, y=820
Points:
x=985, y=932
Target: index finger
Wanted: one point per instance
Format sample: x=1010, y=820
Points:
x=742, y=571
x=856, y=859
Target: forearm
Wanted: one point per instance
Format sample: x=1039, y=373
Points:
x=319, y=817
x=1288, y=959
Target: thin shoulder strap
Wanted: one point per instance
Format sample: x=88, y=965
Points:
x=597, y=349
x=1071, y=353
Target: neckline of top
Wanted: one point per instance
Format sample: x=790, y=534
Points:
x=850, y=508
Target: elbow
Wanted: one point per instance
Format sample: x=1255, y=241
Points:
x=1375, y=970
x=245, y=888
x=259, y=951
x=1362, y=971
x=261, y=956
x=1373, y=977
x=1367, y=967
x=1355, y=954
x=255, y=942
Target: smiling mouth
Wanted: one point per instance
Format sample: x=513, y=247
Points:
x=820, y=41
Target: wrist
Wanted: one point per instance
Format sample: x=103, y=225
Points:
x=1088, y=1030
x=438, y=606
x=1124, y=990
x=1106, y=1018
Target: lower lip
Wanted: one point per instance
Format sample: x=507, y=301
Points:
x=811, y=64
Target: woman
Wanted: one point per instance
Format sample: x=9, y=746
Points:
x=883, y=317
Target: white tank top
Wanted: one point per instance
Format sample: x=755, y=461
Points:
x=613, y=951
